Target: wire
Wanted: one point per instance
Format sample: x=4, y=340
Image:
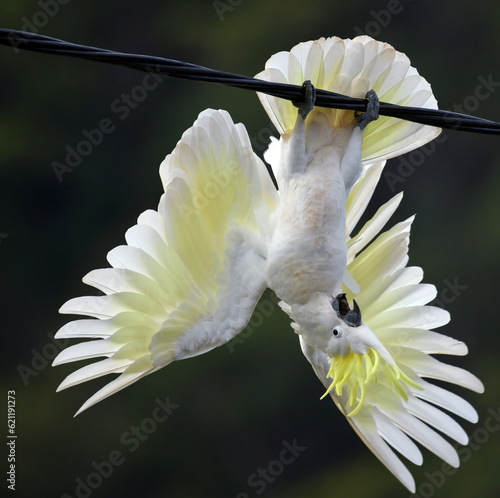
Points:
x=178, y=69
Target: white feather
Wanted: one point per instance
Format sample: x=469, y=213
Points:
x=191, y=274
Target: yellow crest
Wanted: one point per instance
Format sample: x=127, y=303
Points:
x=358, y=371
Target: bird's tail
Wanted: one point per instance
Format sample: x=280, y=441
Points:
x=352, y=67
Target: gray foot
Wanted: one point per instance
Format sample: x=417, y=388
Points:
x=371, y=113
x=307, y=105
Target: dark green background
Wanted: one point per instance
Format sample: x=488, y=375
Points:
x=234, y=409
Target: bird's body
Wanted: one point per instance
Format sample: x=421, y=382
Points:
x=193, y=271
x=308, y=253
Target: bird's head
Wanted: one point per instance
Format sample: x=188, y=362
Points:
x=332, y=326
x=357, y=356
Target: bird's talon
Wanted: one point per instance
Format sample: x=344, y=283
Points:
x=371, y=113
x=307, y=105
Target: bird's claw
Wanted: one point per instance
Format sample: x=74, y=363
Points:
x=371, y=113
x=307, y=105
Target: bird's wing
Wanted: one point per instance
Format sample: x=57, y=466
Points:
x=352, y=67
x=191, y=273
x=394, y=304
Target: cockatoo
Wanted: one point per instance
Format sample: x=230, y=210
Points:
x=193, y=271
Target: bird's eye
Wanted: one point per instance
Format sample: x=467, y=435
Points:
x=336, y=332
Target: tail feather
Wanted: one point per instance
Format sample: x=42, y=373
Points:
x=352, y=67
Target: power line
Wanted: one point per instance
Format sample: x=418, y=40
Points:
x=178, y=69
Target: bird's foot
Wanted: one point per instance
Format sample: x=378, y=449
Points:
x=307, y=105
x=371, y=113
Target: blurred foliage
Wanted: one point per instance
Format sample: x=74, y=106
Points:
x=235, y=407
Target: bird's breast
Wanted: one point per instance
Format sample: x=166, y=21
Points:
x=308, y=251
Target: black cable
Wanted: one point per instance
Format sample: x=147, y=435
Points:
x=177, y=69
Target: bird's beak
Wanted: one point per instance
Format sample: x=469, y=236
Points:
x=366, y=340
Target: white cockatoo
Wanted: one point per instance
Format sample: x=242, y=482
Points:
x=193, y=271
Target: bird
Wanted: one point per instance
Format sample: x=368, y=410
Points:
x=192, y=272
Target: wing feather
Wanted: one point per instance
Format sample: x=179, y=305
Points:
x=191, y=273
x=395, y=307
x=361, y=194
